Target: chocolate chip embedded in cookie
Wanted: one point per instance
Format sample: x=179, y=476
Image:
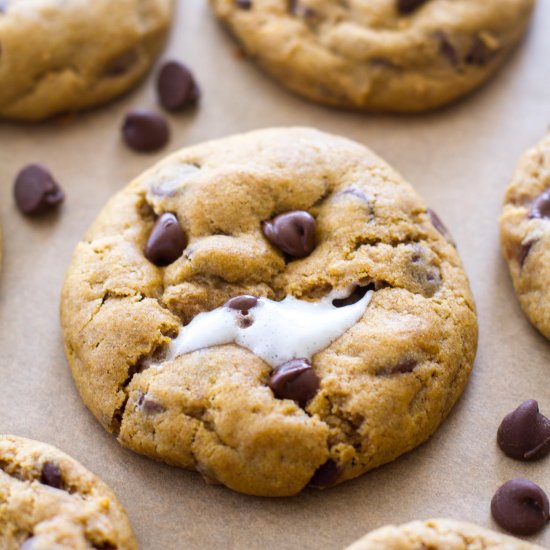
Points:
x=525, y=233
x=96, y=51
x=389, y=56
x=273, y=325
x=49, y=500
x=438, y=534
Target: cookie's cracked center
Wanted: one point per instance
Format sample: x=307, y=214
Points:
x=275, y=331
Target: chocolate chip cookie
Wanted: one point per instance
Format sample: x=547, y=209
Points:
x=525, y=233
x=273, y=309
x=438, y=534
x=48, y=500
x=59, y=56
x=381, y=55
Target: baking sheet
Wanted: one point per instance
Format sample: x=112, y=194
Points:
x=460, y=159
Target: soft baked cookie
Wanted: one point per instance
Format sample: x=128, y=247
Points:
x=438, y=534
x=525, y=233
x=59, y=56
x=353, y=314
x=380, y=55
x=49, y=501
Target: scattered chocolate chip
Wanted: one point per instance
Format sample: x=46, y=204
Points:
x=524, y=434
x=145, y=131
x=150, y=406
x=523, y=252
x=439, y=225
x=242, y=303
x=521, y=507
x=176, y=86
x=51, y=475
x=540, y=208
x=35, y=190
x=244, y=4
x=357, y=294
x=405, y=366
x=166, y=242
x=408, y=6
x=295, y=380
x=446, y=49
x=292, y=232
x=122, y=64
x=326, y=475
x=480, y=53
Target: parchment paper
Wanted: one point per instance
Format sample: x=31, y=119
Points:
x=460, y=159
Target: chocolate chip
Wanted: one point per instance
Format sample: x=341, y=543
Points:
x=176, y=86
x=326, y=475
x=540, y=208
x=408, y=6
x=28, y=544
x=243, y=4
x=35, y=190
x=242, y=303
x=446, y=49
x=121, y=64
x=439, y=225
x=292, y=232
x=524, y=434
x=357, y=294
x=355, y=192
x=166, y=242
x=150, y=406
x=145, y=131
x=480, y=53
x=405, y=366
x=295, y=380
x=51, y=475
x=523, y=252
x=520, y=507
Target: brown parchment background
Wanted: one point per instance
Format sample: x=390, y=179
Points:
x=460, y=159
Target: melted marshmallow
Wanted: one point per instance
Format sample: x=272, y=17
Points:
x=280, y=331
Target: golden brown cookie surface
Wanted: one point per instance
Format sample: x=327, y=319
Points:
x=438, y=534
x=380, y=55
x=60, y=56
x=385, y=384
x=525, y=233
x=50, y=501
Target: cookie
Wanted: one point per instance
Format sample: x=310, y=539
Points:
x=50, y=501
x=273, y=309
x=383, y=55
x=525, y=233
x=59, y=57
x=438, y=534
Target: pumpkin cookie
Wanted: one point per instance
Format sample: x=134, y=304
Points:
x=381, y=55
x=48, y=500
x=525, y=233
x=438, y=534
x=274, y=309
x=57, y=57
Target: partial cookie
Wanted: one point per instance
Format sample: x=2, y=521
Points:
x=57, y=57
x=380, y=55
x=353, y=314
x=438, y=534
x=50, y=501
x=525, y=233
